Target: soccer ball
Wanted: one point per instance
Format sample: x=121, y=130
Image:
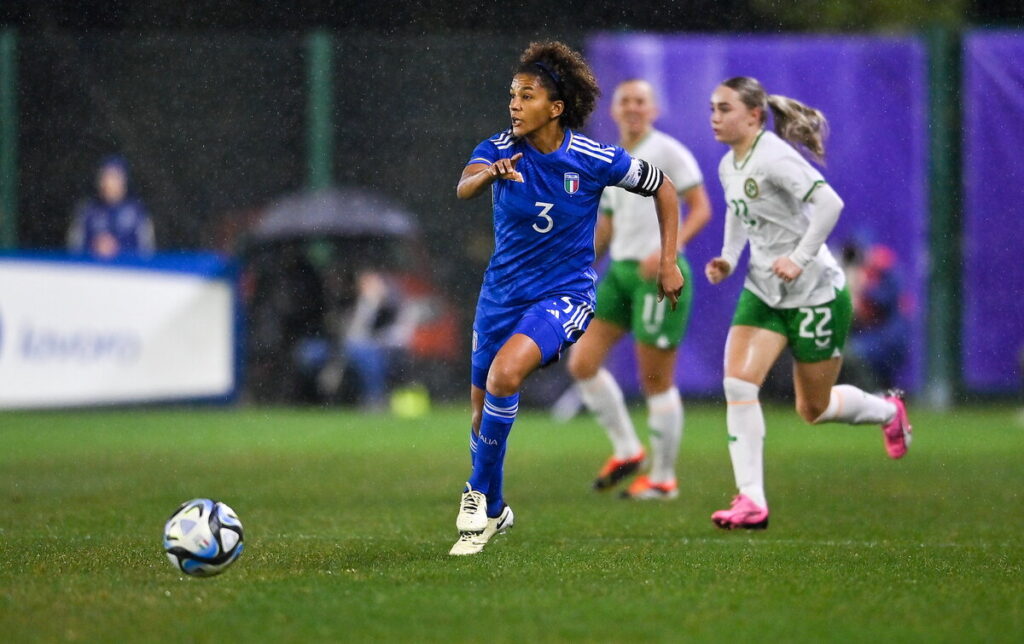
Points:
x=203, y=537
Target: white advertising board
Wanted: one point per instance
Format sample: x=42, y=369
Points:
x=76, y=333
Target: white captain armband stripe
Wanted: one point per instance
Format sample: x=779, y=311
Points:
x=642, y=178
x=479, y=160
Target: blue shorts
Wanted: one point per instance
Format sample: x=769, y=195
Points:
x=553, y=324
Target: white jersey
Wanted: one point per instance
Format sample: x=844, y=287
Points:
x=766, y=195
x=635, y=231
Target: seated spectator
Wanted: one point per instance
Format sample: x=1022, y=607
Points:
x=378, y=331
x=113, y=223
x=880, y=331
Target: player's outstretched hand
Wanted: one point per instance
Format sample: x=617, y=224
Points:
x=717, y=270
x=786, y=269
x=670, y=284
x=506, y=168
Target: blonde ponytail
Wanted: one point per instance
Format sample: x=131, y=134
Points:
x=795, y=122
x=800, y=124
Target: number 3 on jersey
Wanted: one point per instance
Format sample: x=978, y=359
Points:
x=549, y=223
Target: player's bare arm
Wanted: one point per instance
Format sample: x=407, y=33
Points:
x=477, y=177
x=670, y=279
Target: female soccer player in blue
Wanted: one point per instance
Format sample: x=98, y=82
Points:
x=545, y=180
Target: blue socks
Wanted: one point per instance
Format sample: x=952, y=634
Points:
x=489, y=452
x=495, y=499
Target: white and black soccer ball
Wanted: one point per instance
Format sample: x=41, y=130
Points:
x=203, y=537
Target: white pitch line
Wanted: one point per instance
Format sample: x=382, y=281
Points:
x=708, y=541
x=724, y=540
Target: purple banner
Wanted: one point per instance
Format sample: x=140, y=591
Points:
x=993, y=278
x=873, y=91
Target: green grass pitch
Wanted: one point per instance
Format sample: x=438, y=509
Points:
x=349, y=517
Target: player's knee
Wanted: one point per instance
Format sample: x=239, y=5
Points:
x=580, y=368
x=656, y=383
x=744, y=375
x=503, y=380
x=478, y=417
x=738, y=390
x=810, y=410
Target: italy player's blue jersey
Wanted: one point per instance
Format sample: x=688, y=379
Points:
x=544, y=226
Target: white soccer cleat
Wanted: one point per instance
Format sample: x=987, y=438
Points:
x=472, y=511
x=470, y=543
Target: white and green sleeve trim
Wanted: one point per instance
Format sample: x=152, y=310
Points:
x=814, y=186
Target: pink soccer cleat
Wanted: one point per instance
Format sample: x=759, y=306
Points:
x=744, y=514
x=897, y=432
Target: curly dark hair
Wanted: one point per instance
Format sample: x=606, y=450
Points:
x=566, y=76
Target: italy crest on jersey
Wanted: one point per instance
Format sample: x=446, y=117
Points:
x=572, y=182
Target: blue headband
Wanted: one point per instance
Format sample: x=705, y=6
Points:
x=552, y=74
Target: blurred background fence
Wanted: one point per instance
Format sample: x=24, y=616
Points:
x=217, y=125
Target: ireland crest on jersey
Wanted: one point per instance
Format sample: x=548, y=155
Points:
x=572, y=182
x=750, y=188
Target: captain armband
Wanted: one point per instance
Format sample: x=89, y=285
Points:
x=642, y=178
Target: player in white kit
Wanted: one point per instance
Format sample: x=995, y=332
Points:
x=794, y=294
x=627, y=301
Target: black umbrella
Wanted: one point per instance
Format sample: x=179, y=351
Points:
x=341, y=212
